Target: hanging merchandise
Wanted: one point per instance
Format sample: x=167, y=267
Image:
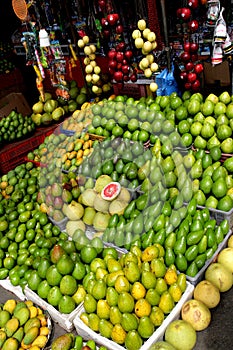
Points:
x=221, y=40
x=212, y=12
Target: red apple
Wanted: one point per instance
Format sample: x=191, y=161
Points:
x=193, y=4
x=126, y=77
x=196, y=85
x=185, y=56
x=112, y=18
x=125, y=68
x=112, y=54
x=187, y=86
x=194, y=57
x=189, y=66
x=118, y=76
x=120, y=46
x=178, y=12
x=194, y=47
x=133, y=77
x=198, y=68
x=128, y=54
x=119, y=29
x=185, y=13
x=104, y=22
x=193, y=25
x=112, y=64
x=183, y=75
x=192, y=77
x=101, y=4
x=119, y=56
x=187, y=46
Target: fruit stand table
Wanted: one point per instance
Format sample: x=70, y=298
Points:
x=14, y=154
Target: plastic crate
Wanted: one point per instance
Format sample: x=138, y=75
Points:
x=15, y=153
x=87, y=333
x=199, y=276
x=220, y=215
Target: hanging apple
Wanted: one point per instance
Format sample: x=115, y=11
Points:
x=189, y=66
x=194, y=47
x=193, y=25
x=185, y=56
x=186, y=46
x=196, y=85
x=198, y=68
x=184, y=13
x=191, y=77
x=118, y=76
x=193, y=4
x=112, y=18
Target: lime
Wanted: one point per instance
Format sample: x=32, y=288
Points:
x=54, y=296
x=87, y=254
x=186, y=139
x=183, y=126
x=215, y=153
x=68, y=285
x=43, y=289
x=225, y=203
x=133, y=124
x=223, y=132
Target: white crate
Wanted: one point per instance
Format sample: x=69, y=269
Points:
x=87, y=333
x=64, y=320
x=199, y=276
x=16, y=290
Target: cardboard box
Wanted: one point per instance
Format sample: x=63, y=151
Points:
x=217, y=75
x=15, y=100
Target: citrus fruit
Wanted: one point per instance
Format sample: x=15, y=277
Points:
x=68, y=285
x=66, y=304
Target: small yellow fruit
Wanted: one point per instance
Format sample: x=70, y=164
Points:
x=154, y=67
x=88, y=78
x=139, y=43
x=86, y=61
x=88, y=69
x=94, y=89
x=148, y=72
x=92, y=56
x=93, y=64
x=81, y=43
x=151, y=36
x=154, y=45
x=97, y=69
x=87, y=50
x=142, y=308
x=93, y=48
x=136, y=34
x=86, y=39
x=153, y=87
x=141, y=24
x=150, y=57
x=147, y=46
x=95, y=78
x=144, y=63
x=145, y=32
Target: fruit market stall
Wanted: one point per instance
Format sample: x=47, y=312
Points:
x=116, y=218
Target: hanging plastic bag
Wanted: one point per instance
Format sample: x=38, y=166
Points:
x=160, y=81
x=171, y=84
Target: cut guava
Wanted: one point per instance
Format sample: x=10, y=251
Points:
x=111, y=191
